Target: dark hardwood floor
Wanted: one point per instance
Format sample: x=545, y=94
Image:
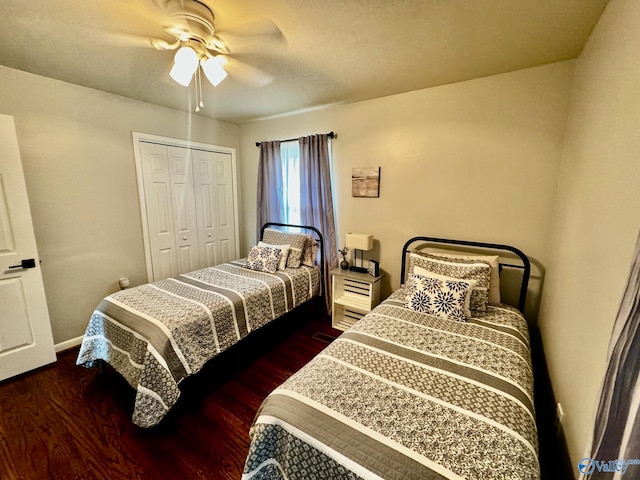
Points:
x=69, y=422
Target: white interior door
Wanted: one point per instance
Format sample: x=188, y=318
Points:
x=169, y=201
x=26, y=341
x=158, y=203
x=184, y=213
x=215, y=206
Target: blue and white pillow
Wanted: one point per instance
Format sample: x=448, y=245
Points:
x=441, y=296
x=264, y=259
x=460, y=269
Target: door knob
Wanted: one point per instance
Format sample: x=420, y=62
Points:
x=28, y=263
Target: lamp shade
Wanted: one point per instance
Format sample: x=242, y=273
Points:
x=359, y=241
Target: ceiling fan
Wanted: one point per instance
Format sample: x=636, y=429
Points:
x=200, y=48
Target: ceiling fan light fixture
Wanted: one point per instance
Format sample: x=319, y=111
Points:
x=213, y=70
x=180, y=75
x=221, y=60
x=184, y=66
x=186, y=57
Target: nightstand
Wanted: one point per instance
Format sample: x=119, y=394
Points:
x=354, y=295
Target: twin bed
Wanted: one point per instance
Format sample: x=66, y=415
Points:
x=436, y=382
x=157, y=334
x=406, y=394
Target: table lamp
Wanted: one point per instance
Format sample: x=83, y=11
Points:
x=361, y=242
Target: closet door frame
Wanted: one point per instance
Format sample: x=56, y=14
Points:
x=139, y=138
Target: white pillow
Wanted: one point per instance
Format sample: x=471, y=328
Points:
x=417, y=270
x=263, y=259
x=493, y=260
x=296, y=240
x=459, y=268
x=284, y=253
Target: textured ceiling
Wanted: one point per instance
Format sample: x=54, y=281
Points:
x=335, y=51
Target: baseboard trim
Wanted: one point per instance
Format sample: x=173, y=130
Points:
x=66, y=345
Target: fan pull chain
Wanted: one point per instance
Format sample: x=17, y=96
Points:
x=198, y=85
x=195, y=84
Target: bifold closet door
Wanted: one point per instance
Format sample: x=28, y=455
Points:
x=215, y=206
x=170, y=207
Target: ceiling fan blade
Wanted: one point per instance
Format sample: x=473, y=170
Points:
x=121, y=39
x=160, y=44
x=256, y=35
x=256, y=26
x=246, y=74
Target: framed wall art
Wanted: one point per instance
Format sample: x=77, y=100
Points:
x=365, y=182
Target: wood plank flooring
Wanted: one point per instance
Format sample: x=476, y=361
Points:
x=69, y=422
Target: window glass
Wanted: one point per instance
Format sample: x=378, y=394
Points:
x=290, y=156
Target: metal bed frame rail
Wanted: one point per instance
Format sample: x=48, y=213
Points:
x=526, y=264
x=319, y=239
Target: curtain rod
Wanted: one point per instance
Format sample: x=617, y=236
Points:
x=330, y=135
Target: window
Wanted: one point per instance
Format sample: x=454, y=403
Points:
x=290, y=157
x=294, y=186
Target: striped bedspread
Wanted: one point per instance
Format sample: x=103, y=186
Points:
x=157, y=334
x=404, y=395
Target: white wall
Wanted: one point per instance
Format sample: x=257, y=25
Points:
x=597, y=217
x=475, y=160
x=77, y=153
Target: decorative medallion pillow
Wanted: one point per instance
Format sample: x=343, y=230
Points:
x=296, y=240
x=460, y=269
x=263, y=259
x=435, y=296
x=467, y=297
x=284, y=253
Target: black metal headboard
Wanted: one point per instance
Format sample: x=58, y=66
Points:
x=319, y=238
x=488, y=247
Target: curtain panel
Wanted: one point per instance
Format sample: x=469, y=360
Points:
x=316, y=199
x=316, y=196
x=616, y=434
x=270, y=186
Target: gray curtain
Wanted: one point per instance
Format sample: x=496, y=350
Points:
x=616, y=434
x=270, y=186
x=316, y=199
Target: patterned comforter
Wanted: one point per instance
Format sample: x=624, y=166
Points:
x=157, y=334
x=405, y=395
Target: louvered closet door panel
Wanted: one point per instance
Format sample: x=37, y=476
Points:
x=158, y=203
x=184, y=212
x=213, y=182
